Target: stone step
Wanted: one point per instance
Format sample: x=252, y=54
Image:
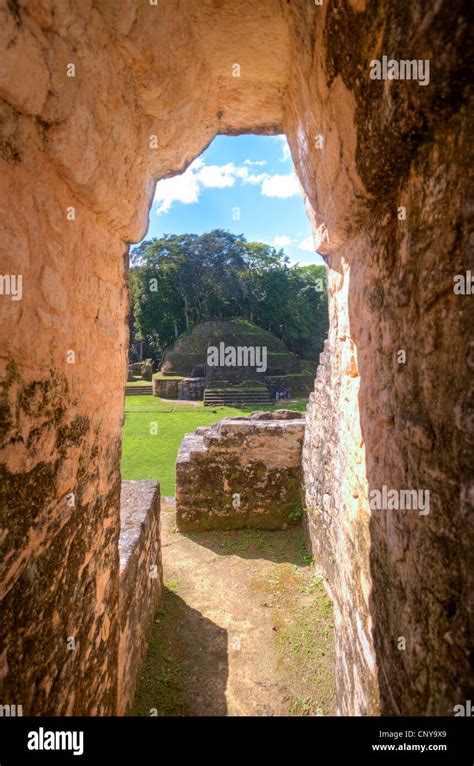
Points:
x=138, y=390
x=250, y=397
x=192, y=444
x=236, y=397
x=234, y=402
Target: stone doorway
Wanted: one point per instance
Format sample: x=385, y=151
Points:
x=98, y=103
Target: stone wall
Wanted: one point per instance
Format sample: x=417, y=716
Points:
x=168, y=389
x=80, y=156
x=141, y=580
x=339, y=537
x=320, y=515
x=298, y=384
x=153, y=85
x=192, y=388
x=241, y=473
x=379, y=418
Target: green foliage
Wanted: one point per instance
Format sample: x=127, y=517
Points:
x=147, y=455
x=179, y=281
x=295, y=514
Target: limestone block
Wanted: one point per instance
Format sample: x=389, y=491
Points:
x=141, y=580
x=241, y=473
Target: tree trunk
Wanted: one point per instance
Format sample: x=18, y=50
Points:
x=186, y=315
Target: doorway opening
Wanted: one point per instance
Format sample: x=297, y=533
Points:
x=228, y=318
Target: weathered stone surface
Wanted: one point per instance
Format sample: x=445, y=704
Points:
x=192, y=388
x=240, y=473
x=147, y=372
x=84, y=143
x=372, y=420
x=141, y=579
x=60, y=566
x=168, y=389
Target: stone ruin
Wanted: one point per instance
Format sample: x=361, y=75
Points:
x=140, y=369
x=242, y=472
x=141, y=579
x=186, y=374
x=383, y=167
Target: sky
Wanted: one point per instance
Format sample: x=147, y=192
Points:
x=246, y=184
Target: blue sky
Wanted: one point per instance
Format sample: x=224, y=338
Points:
x=246, y=184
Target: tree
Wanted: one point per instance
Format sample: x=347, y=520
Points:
x=180, y=280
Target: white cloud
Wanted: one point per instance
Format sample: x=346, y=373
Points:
x=282, y=241
x=285, y=149
x=249, y=178
x=255, y=162
x=286, y=154
x=280, y=186
x=183, y=188
x=187, y=187
x=197, y=164
x=307, y=244
x=217, y=176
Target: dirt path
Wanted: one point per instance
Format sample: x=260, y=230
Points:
x=244, y=628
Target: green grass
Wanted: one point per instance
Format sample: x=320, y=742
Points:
x=139, y=382
x=172, y=584
x=152, y=456
x=161, y=376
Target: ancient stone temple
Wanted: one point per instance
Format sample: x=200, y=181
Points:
x=98, y=102
x=231, y=361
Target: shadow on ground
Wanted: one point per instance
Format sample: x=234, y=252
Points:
x=175, y=678
x=280, y=546
x=245, y=628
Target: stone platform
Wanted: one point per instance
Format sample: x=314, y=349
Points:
x=242, y=472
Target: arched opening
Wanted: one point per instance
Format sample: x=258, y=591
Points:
x=228, y=268
x=99, y=103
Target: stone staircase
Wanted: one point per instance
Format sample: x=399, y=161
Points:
x=139, y=390
x=214, y=397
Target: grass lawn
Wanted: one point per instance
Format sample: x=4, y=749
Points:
x=153, y=431
x=139, y=382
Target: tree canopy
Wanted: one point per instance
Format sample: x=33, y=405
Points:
x=180, y=280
